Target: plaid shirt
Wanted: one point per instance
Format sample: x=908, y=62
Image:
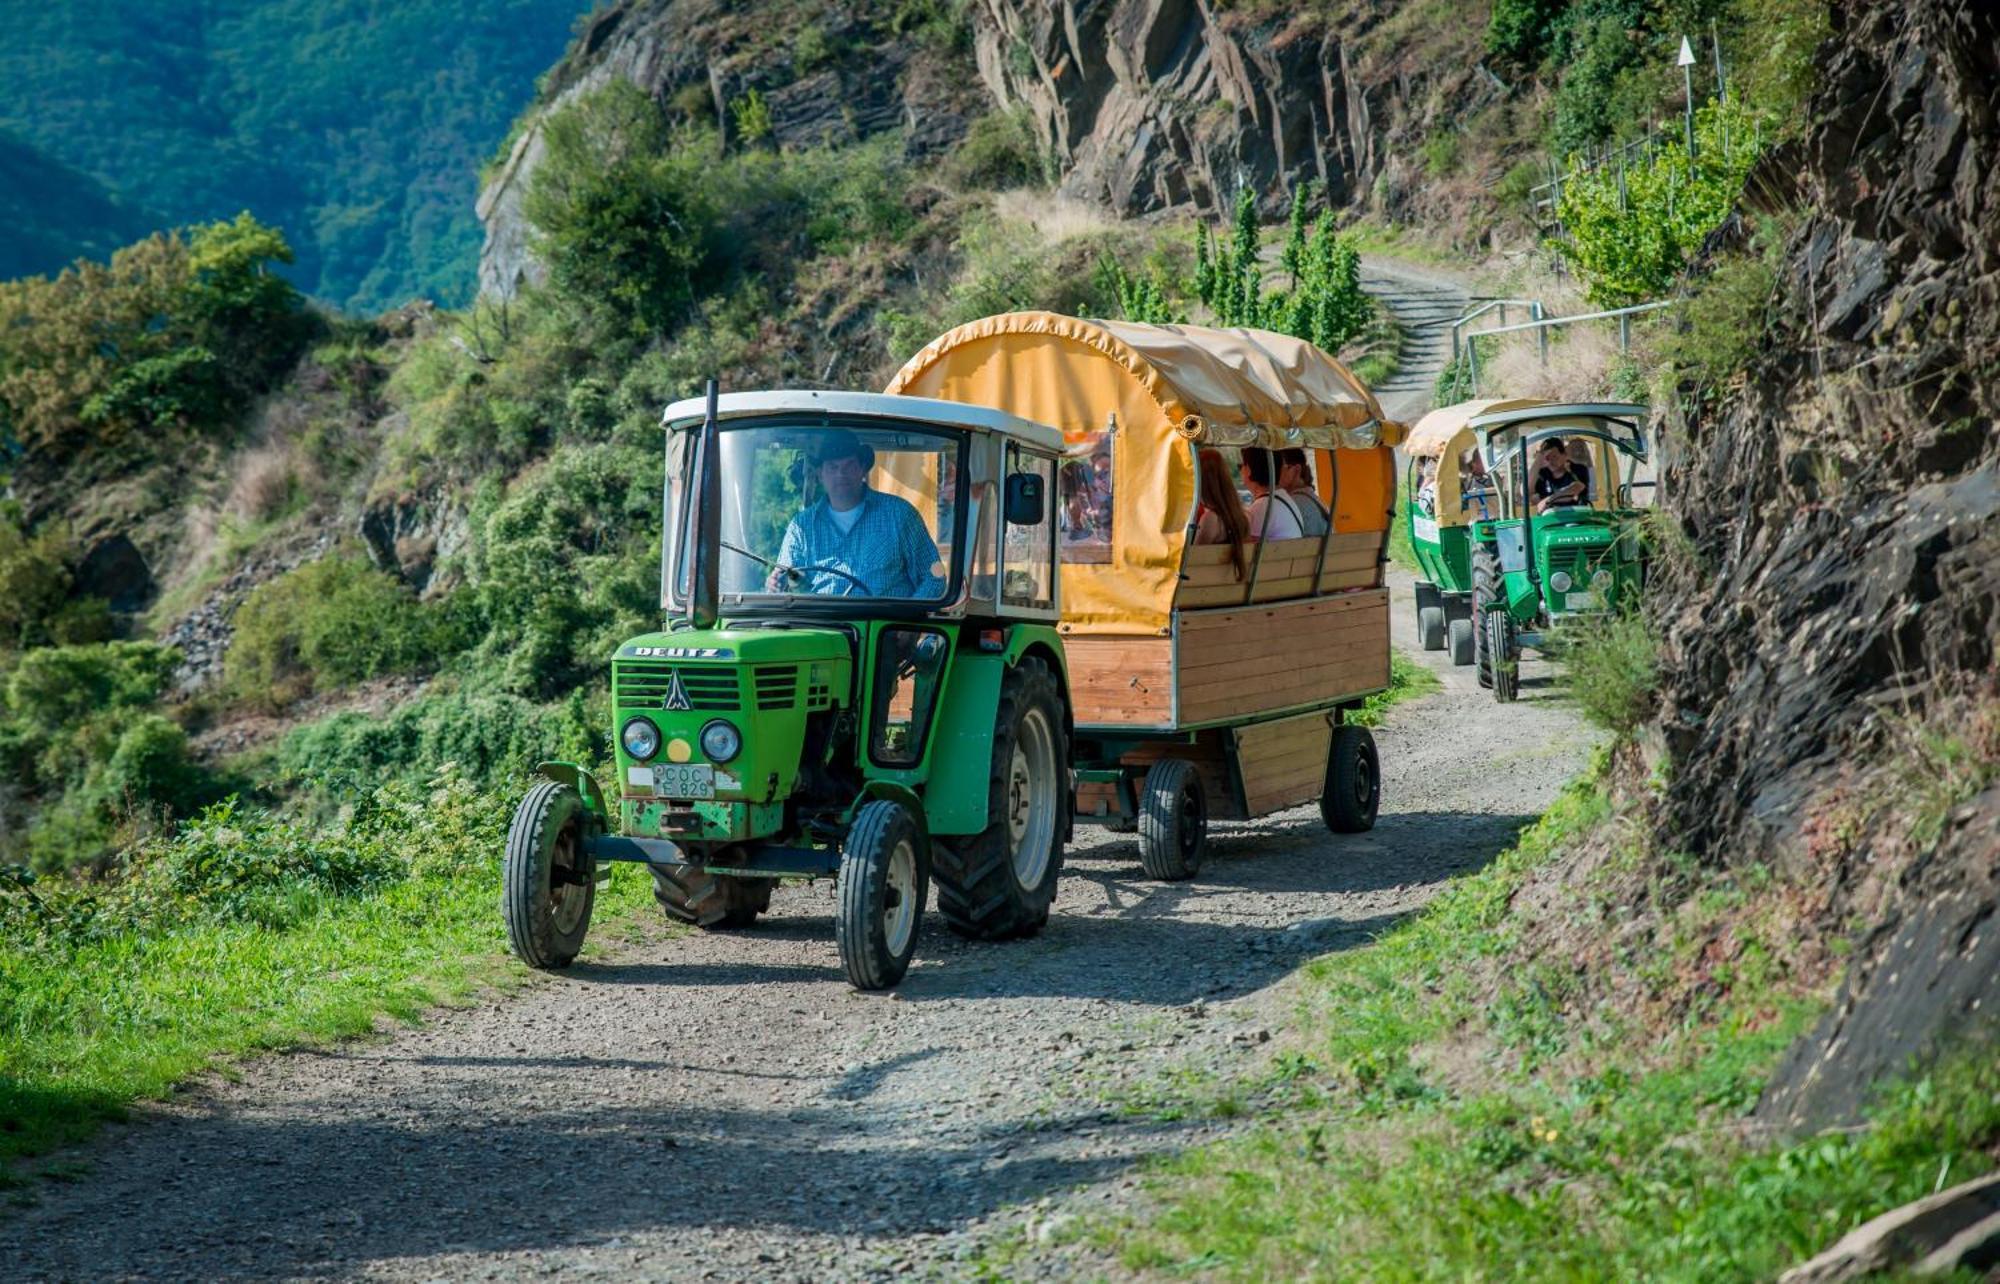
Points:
x=888, y=550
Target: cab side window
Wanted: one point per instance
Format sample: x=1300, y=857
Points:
x=1028, y=576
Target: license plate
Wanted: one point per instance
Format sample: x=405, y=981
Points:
x=1585, y=601
x=684, y=780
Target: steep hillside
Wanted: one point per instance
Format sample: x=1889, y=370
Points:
x=354, y=127
x=1829, y=704
x=53, y=214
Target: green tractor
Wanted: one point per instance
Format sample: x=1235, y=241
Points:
x=860, y=679
x=1566, y=541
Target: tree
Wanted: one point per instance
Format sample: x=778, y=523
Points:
x=620, y=218
x=1325, y=306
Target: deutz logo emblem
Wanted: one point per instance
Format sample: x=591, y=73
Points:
x=677, y=696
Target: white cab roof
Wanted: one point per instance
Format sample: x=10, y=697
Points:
x=863, y=405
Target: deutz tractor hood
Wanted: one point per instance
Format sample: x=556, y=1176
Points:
x=725, y=645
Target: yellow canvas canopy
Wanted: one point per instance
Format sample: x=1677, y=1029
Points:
x=1443, y=435
x=1162, y=392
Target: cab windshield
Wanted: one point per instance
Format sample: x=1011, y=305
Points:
x=818, y=511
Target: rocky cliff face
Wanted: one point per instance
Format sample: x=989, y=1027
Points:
x=1831, y=701
x=1141, y=105
x=861, y=79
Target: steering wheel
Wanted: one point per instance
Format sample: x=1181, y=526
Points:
x=783, y=569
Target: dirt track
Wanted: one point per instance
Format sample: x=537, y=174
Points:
x=723, y=1106
x=724, y=1103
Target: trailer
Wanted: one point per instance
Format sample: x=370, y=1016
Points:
x=1198, y=694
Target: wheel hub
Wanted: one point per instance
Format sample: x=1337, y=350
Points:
x=899, y=899
x=1032, y=798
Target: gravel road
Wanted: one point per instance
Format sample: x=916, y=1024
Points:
x=722, y=1106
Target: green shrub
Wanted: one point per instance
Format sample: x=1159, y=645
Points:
x=1722, y=321
x=752, y=115
x=53, y=690
x=1521, y=30
x=1613, y=669
x=566, y=566
x=1326, y=305
x=328, y=623
x=621, y=219
x=491, y=740
x=34, y=582
x=1631, y=247
x=999, y=150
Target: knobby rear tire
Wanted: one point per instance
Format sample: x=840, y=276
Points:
x=710, y=901
x=979, y=883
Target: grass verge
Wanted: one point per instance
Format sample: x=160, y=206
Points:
x=244, y=934
x=1452, y=1104
x=1407, y=680
x=1400, y=551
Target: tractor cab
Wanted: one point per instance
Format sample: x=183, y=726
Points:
x=858, y=677
x=1564, y=539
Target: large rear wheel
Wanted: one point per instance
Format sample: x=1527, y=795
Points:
x=1173, y=820
x=548, y=884
x=884, y=876
x=1485, y=591
x=1503, y=655
x=692, y=895
x=1001, y=881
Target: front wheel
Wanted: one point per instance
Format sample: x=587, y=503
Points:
x=1461, y=641
x=547, y=882
x=884, y=877
x=1352, y=792
x=1173, y=820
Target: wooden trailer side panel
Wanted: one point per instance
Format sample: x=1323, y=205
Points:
x=1121, y=681
x=1243, y=661
x=1282, y=763
x=1287, y=570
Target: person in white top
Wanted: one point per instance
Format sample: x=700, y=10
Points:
x=1273, y=515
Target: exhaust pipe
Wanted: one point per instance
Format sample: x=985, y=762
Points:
x=705, y=522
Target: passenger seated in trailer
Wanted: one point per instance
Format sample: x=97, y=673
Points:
x=1272, y=514
x=1220, y=518
x=1427, y=488
x=1475, y=486
x=1560, y=482
x=1295, y=479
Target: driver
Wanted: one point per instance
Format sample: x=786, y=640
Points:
x=855, y=540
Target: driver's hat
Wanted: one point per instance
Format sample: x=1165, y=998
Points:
x=839, y=443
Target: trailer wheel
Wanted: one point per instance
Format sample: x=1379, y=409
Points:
x=883, y=879
x=1503, y=656
x=547, y=882
x=1460, y=635
x=1000, y=882
x=1352, y=793
x=1430, y=628
x=692, y=895
x=1173, y=820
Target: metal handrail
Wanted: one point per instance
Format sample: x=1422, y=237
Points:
x=1542, y=326
x=1534, y=307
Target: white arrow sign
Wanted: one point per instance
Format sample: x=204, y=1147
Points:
x=1687, y=54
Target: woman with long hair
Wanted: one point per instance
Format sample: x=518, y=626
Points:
x=1221, y=519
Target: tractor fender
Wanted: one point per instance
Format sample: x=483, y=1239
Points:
x=889, y=789
x=579, y=779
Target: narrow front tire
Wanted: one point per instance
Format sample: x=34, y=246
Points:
x=548, y=883
x=883, y=880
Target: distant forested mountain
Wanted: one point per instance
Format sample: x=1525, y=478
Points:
x=50, y=214
x=356, y=126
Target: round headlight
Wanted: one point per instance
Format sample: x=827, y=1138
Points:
x=640, y=738
x=1560, y=581
x=1600, y=579
x=720, y=742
